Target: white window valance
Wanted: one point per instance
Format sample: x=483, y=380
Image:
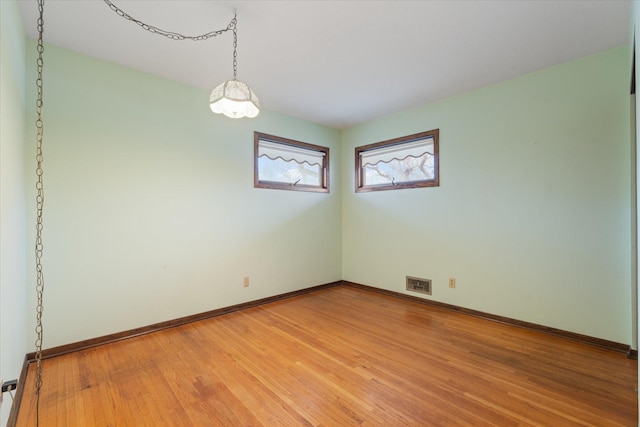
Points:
x=274, y=150
x=399, y=152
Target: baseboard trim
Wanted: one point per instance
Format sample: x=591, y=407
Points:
x=585, y=339
x=119, y=336
x=132, y=333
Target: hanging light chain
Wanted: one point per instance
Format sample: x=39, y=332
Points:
x=219, y=93
x=170, y=34
x=39, y=207
x=234, y=22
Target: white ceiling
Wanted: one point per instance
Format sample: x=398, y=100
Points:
x=340, y=63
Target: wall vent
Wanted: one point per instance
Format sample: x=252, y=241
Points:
x=416, y=284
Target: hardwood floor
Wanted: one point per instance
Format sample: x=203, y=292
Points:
x=338, y=357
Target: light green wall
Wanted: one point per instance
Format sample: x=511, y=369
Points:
x=151, y=212
x=532, y=216
x=12, y=203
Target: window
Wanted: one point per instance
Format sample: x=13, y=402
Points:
x=407, y=162
x=285, y=164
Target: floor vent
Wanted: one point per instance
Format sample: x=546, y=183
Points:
x=416, y=284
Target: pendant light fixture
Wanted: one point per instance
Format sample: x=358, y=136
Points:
x=234, y=98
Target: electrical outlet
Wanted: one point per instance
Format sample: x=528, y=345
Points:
x=9, y=385
x=245, y=282
x=452, y=282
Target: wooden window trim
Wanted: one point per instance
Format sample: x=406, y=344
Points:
x=435, y=182
x=274, y=185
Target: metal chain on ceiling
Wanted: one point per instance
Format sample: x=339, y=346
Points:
x=232, y=26
x=171, y=34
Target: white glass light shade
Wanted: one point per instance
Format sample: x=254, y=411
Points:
x=234, y=99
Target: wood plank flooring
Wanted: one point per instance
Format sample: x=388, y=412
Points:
x=338, y=357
